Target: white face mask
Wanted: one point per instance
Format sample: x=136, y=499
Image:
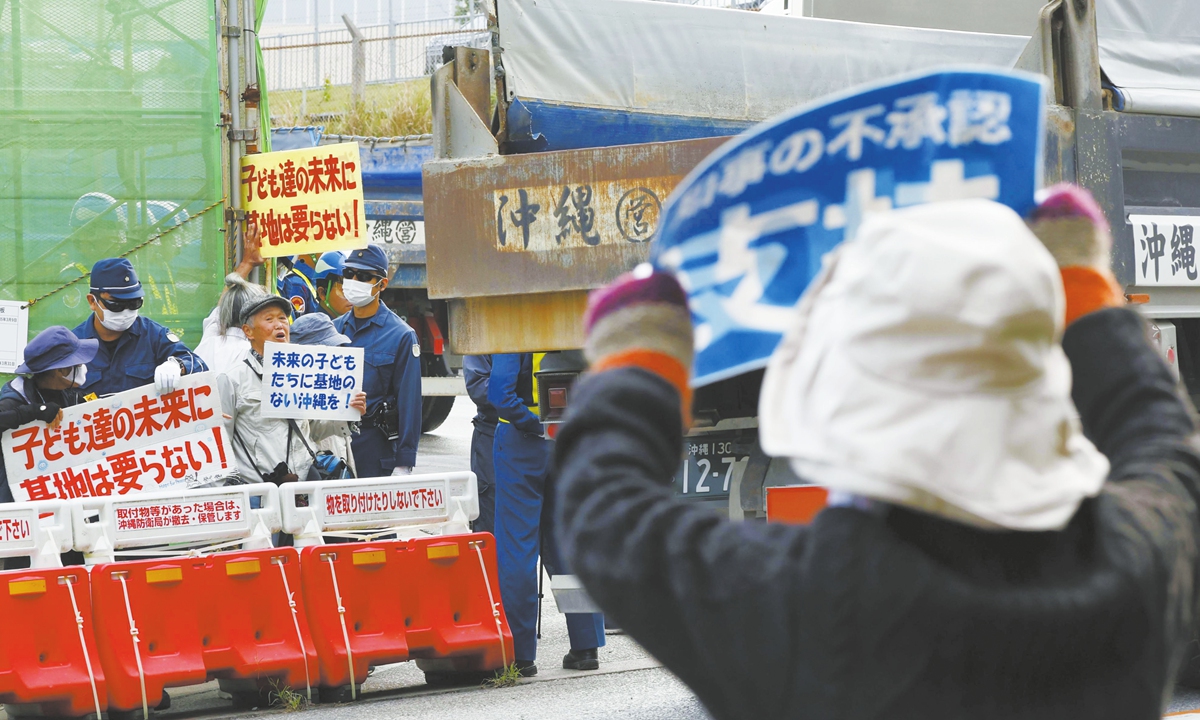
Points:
x=78, y=375
x=357, y=292
x=119, y=321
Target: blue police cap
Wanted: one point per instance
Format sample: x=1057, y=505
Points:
x=372, y=258
x=56, y=347
x=116, y=277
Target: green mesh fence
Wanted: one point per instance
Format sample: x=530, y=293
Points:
x=108, y=138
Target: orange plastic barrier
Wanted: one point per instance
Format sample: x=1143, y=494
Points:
x=253, y=625
x=43, y=632
x=378, y=602
x=795, y=504
x=153, y=641
x=449, y=606
x=229, y=616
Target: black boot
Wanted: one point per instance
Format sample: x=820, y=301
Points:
x=526, y=667
x=581, y=660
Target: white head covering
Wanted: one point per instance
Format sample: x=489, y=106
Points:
x=924, y=369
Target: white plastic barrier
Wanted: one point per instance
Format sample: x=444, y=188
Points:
x=408, y=506
x=37, y=530
x=215, y=516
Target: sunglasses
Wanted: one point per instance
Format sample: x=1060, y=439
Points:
x=361, y=275
x=120, y=305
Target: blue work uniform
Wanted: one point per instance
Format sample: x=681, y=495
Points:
x=299, y=288
x=522, y=458
x=476, y=370
x=130, y=360
x=392, y=370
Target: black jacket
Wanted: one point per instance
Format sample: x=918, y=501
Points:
x=900, y=614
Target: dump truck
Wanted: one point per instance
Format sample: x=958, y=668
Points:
x=555, y=151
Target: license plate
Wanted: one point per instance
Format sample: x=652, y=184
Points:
x=714, y=461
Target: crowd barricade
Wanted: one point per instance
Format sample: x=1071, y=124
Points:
x=428, y=592
x=49, y=664
x=172, y=621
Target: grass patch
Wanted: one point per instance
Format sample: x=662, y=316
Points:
x=507, y=677
x=286, y=698
x=389, y=110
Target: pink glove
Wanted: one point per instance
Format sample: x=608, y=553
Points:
x=642, y=320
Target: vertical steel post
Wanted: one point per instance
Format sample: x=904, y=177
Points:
x=236, y=146
x=358, y=62
x=316, y=43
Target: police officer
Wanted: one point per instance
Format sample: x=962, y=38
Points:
x=524, y=509
x=134, y=350
x=476, y=371
x=387, y=442
x=328, y=281
x=297, y=284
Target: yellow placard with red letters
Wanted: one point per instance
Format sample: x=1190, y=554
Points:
x=306, y=201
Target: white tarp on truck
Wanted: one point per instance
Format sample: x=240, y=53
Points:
x=670, y=59
x=1150, y=49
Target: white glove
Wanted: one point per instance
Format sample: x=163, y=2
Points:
x=402, y=471
x=166, y=376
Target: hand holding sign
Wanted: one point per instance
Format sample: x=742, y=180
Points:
x=746, y=230
x=313, y=381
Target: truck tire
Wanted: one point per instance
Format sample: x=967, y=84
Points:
x=434, y=411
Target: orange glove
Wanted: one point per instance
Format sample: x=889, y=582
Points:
x=1073, y=228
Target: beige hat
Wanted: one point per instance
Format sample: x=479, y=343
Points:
x=924, y=368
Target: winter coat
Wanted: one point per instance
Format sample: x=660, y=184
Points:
x=885, y=612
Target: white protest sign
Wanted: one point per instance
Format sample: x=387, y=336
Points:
x=14, y=334
x=134, y=441
x=311, y=381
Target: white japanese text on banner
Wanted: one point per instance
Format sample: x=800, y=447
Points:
x=746, y=230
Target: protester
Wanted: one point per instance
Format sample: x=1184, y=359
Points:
x=223, y=344
x=387, y=442
x=973, y=562
x=269, y=449
x=134, y=350
x=476, y=371
x=296, y=283
x=523, y=522
x=318, y=329
x=55, y=365
x=329, y=284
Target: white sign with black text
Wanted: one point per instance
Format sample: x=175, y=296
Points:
x=14, y=334
x=311, y=381
x=1164, y=250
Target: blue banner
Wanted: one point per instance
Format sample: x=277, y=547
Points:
x=746, y=230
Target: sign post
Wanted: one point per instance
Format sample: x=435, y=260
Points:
x=746, y=230
x=306, y=201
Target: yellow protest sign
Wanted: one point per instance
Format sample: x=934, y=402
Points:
x=306, y=201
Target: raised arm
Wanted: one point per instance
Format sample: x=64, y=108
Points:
x=693, y=588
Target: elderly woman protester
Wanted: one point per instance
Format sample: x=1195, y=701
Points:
x=55, y=366
x=987, y=550
x=269, y=449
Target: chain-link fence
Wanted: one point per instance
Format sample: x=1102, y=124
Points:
x=393, y=53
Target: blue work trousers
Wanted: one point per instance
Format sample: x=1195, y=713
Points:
x=522, y=463
x=483, y=441
x=370, y=448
